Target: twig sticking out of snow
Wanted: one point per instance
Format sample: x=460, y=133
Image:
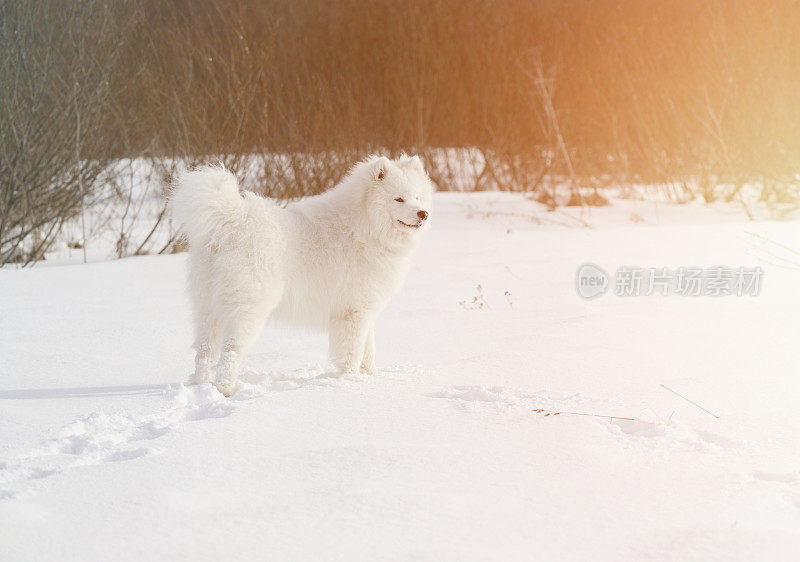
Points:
x=772, y=252
x=549, y=413
x=689, y=401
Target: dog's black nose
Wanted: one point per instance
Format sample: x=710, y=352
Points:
x=422, y=214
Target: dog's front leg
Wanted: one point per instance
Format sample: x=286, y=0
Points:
x=348, y=334
x=368, y=361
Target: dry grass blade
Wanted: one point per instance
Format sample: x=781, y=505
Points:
x=772, y=252
x=550, y=413
x=690, y=401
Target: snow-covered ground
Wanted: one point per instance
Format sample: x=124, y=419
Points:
x=104, y=455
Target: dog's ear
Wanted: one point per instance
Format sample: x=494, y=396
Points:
x=417, y=163
x=412, y=163
x=380, y=168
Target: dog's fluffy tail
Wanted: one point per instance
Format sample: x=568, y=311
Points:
x=204, y=201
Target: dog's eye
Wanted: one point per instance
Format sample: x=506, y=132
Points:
x=399, y=199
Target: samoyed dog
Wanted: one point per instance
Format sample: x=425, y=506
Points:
x=329, y=262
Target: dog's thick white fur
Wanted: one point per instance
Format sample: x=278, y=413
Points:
x=329, y=262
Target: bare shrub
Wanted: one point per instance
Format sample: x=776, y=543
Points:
x=54, y=75
x=695, y=98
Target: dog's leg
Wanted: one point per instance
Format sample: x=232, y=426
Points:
x=240, y=333
x=368, y=362
x=207, y=344
x=228, y=368
x=348, y=334
x=204, y=360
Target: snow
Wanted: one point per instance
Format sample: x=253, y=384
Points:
x=104, y=454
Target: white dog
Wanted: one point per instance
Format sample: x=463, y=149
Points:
x=329, y=262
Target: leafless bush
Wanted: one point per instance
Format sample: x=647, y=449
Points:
x=54, y=74
x=697, y=98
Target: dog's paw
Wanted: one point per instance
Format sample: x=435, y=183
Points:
x=199, y=377
x=227, y=388
x=369, y=369
x=342, y=369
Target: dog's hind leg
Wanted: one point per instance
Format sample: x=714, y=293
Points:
x=208, y=344
x=207, y=329
x=239, y=333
